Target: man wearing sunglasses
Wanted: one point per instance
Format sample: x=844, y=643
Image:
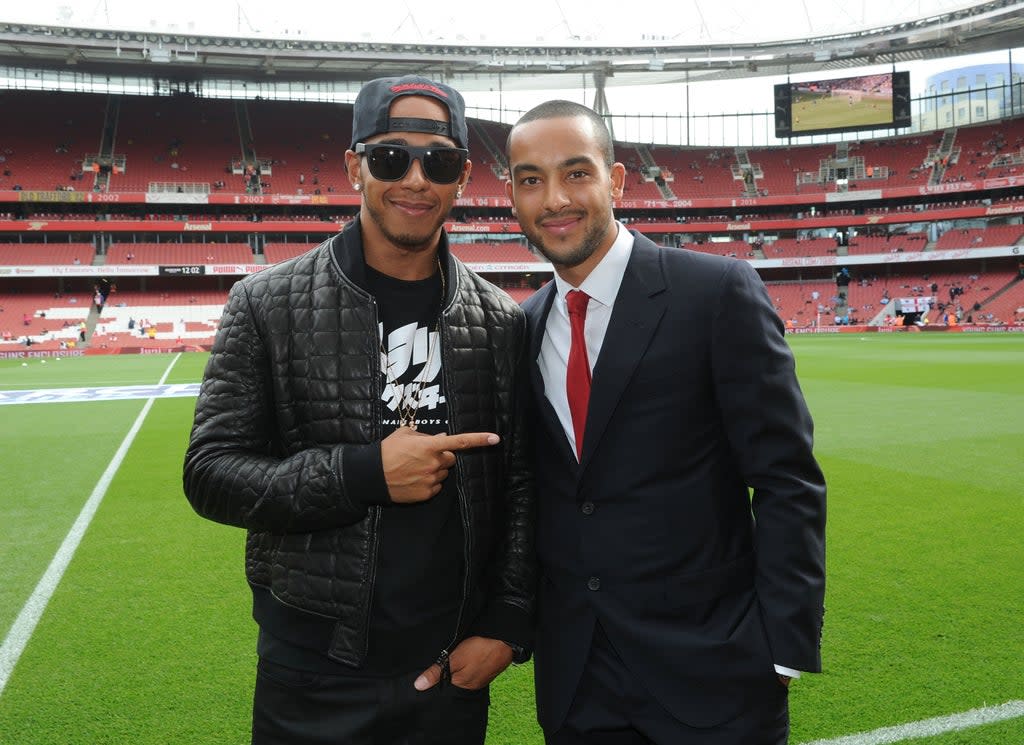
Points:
x=361, y=417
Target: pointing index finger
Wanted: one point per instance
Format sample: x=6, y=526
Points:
x=467, y=440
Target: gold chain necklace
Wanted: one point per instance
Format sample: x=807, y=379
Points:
x=408, y=406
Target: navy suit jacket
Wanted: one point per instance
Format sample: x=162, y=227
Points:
x=693, y=528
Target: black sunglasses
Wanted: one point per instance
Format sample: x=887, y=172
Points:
x=389, y=162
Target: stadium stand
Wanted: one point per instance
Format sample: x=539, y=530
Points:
x=179, y=140
x=902, y=158
x=45, y=151
x=994, y=235
x=56, y=254
x=301, y=146
x=733, y=248
x=793, y=300
x=487, y=151
x=1007, y=305
x=179, y=253
x=41, y=316
x=305, y=143
x=700, y=171
x=276, y=252
x=987, y=151
x=883, y=244
x=813, y=246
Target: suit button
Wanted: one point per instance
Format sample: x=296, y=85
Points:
x=594, y=584
x=587, y=508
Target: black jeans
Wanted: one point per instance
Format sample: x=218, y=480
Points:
x=295, y=707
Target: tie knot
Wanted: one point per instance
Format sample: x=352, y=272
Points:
x=577, y=302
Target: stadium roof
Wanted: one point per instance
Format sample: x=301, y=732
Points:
x=684, y=49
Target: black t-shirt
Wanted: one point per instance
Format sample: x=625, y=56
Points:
x=420, y=559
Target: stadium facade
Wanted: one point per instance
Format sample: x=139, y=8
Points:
x=163, y=200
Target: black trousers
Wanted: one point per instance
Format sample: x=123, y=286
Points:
x=293, y=707
x=612, y=707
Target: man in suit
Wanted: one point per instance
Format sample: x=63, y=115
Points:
x=681, y=512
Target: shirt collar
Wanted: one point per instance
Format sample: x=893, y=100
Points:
x=602, y=284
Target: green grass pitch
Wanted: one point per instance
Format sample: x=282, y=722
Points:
x=148, y=639
x=822, y=111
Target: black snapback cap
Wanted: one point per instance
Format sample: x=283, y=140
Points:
x=370, y=114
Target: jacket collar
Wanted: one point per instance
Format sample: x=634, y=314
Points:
x=347, y=247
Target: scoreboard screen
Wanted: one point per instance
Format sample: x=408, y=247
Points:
x=843, y=104
x=179, y=271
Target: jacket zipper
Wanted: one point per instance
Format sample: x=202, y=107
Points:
x=375, y=533
x=467, y=543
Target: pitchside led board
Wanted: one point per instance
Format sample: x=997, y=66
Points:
x=843, y=104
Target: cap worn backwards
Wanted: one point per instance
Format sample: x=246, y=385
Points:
x=370, y=115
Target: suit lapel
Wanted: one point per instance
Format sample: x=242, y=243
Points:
x=537, y=318
x=639, y=306
x=538, y=308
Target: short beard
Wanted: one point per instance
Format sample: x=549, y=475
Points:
x=406, y=241
x=592, y=240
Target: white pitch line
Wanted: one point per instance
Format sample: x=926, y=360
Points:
x=931, y=727
x=25, y=624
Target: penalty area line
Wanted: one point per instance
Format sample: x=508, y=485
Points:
x=931, y=727
x=25, y=624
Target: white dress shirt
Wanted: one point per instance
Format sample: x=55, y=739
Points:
x=602, y=285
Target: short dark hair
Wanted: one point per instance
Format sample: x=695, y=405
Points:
x=557, y=109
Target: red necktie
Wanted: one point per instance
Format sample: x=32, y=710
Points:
x=577, y=373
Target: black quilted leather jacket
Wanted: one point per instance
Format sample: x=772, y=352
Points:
x=294, y=381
